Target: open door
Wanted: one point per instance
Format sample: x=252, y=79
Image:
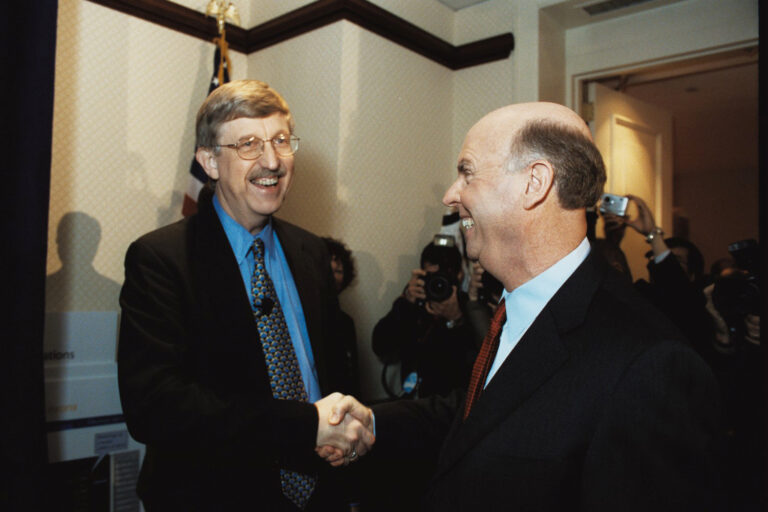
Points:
x=635, y=139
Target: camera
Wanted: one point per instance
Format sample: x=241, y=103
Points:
x=614, y=204
x=438, y=286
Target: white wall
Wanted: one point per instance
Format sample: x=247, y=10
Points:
x=126, y=92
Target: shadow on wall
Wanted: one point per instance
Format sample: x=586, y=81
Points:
x=77, y=286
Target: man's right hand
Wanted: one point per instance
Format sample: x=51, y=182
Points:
x=415, y=289
x=345, y=429
x=644, y=222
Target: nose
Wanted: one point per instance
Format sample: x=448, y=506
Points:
x=269, y=158
x=452, y=196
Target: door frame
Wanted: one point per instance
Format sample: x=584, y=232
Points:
x=666, y=67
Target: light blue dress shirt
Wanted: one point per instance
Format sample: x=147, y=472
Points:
x=241, y=241
x=525, y=302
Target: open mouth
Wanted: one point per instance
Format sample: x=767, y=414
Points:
x=467, y=223
x=269, y=181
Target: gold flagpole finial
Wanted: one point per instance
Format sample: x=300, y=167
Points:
x=224, y=12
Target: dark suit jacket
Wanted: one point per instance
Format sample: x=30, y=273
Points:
x=599, y=407
x=193, y=382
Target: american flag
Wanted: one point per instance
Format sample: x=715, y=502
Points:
x=197, y=176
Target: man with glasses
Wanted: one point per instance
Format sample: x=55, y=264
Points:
x=227, y=338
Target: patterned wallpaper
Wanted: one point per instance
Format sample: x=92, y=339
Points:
x=379, y=142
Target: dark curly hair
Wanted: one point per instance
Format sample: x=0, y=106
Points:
x=339, y=251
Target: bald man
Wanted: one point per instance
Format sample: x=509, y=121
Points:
x=591, y=401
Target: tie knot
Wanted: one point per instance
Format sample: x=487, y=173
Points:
x=258, y=249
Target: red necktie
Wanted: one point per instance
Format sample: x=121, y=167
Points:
x=485, y=358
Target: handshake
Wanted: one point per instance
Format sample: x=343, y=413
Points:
x=345, y=429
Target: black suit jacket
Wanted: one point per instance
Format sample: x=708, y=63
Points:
x=599, y=407
x=193, y=381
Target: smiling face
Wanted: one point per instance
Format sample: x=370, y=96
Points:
x=250, y=190
x=486, y=194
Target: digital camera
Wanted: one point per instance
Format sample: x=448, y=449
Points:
x=614, y=204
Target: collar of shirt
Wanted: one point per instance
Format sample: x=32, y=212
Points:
x=240, y=239
x=525, y=302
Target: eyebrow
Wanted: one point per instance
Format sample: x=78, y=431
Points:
x=253, y=135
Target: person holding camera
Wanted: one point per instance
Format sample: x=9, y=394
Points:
x=676, y=271
x=426, y=330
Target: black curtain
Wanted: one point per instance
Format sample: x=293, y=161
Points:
x=29, y=44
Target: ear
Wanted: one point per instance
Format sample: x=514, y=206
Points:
x=541, y=177
x=208, y=162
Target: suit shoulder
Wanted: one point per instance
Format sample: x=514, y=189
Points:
x=165, y=233
x=286, y=229
x=623, y=303
x=170, y=241
x=621, y=325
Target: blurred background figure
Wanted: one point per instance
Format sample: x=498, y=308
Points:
x=343, y=268
x=675, y=269
x=734, y=299
x=720, y=316
x=427, y=330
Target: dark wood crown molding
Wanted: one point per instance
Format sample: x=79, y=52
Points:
x=316, y=15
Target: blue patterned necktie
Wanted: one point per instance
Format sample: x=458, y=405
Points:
x=282, y=365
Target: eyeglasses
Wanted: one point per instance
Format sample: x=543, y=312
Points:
x=253, y=147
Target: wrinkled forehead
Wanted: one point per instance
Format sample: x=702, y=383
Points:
x=486, y=139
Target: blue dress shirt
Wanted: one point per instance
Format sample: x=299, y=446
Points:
x=525, y=302
x=241, y=241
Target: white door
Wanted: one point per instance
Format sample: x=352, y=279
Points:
x=635, y=139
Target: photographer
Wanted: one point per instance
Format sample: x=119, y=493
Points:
x=735, y=302
x=426, y=330
x=676, y=270
x=343, y=268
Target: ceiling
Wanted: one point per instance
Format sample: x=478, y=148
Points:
x=575, y=13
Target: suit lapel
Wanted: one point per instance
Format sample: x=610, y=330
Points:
x=538, y=355
x=535, y=358
x=223, y=290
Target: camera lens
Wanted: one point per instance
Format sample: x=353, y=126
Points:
x=437, y=286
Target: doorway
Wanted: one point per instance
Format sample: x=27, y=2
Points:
x=714, y=104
